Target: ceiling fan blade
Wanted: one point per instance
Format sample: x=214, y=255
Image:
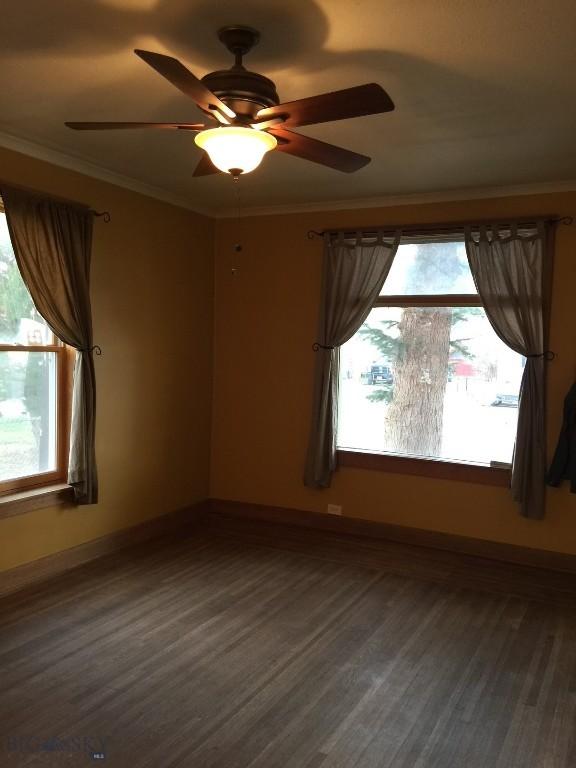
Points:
x=318, y=151
x=176, y=73
x=123, y=126
x=205, y=167
x=370, y=99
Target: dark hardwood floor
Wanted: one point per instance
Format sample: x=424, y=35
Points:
x=274, y=647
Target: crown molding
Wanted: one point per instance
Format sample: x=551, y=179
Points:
x=470, y=193
x=95, y=171
x=88, y=168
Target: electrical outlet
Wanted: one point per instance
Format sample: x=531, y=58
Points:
x=334, y=509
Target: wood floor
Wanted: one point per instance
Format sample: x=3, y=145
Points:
x=273, y=647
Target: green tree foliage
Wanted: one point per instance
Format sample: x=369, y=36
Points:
x=392, y=347
x=4, y=392
x=32, y=375
x=15, y=301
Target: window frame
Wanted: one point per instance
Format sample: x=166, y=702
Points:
x=64, y=357
x=424, y=466
x=63, y=376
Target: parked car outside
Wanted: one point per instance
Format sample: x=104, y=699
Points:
x=509, y=401
x=380, y=374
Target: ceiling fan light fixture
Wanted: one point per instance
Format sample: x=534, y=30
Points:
x=233, y=149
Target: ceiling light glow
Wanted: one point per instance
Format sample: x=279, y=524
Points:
x=235, y=150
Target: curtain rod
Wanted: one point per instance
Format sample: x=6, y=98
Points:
x=106, y=217
x=429, y=229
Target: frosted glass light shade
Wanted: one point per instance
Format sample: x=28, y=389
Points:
x=232, y=148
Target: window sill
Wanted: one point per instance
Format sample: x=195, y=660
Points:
x=444, y=470
x=35, y=498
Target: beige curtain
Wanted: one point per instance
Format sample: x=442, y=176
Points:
x=354, y=272
x=52, y=243
x=508, y=270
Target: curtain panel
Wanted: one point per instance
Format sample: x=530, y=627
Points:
x=508, y=267
x=354, y=271
x=52, y=244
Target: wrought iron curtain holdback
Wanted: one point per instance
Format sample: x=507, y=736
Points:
x=95, y=349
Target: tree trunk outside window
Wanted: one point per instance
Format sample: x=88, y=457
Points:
x=415, y=414
x=419, y=352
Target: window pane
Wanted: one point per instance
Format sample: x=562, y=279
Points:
x=20, y=323
x=433, y=381
x=27, y=413
x=429, y=268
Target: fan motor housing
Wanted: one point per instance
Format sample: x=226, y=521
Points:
x=243, y=91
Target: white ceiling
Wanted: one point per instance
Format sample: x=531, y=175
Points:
x=485, y=90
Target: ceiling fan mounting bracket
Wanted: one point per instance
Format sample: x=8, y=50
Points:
x=239, y=40
x=243, y=91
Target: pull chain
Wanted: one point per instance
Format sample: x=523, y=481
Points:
x=238, y=244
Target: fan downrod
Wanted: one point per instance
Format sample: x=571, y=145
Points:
x=239, y=40
x=243, y=91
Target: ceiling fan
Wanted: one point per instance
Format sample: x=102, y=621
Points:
x=250, y=121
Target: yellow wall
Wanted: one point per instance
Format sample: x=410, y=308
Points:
x=264, y=324
x=152, y=289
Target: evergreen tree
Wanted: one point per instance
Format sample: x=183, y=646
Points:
x=419, y=348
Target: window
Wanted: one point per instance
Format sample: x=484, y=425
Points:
x=33, y=385
x=426, y=376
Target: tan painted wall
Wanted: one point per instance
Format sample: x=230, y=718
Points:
x=152, y=301
x=265, y=323
x=152, y=289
